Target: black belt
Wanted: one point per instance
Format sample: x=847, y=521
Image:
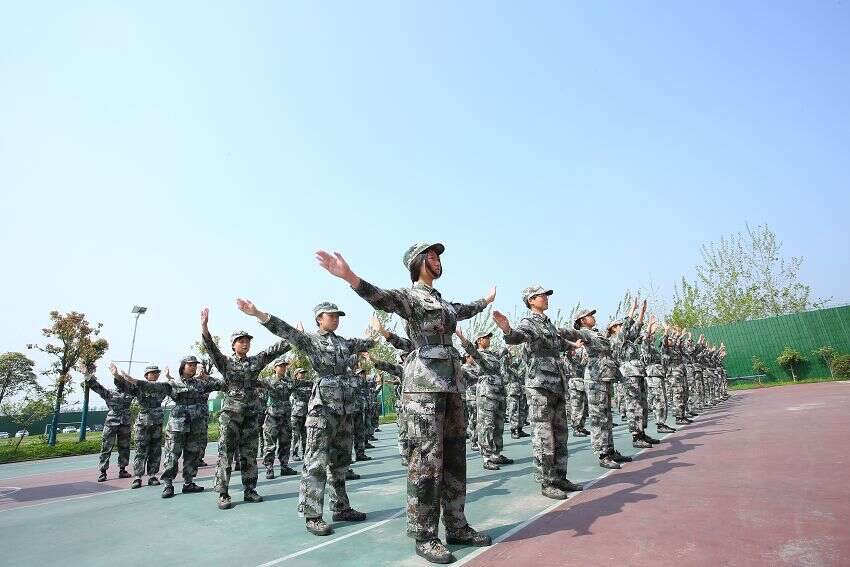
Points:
x=435, y=340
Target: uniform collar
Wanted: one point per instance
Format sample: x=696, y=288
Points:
x=428, y=288
x=323, y=333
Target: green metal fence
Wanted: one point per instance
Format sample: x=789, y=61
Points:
x=766, y=338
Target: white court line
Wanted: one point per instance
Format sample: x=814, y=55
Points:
x=332, y=541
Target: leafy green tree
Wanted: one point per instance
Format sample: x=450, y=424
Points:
x=759, y=367
x=34, y=407
x=75, y=341
x=206, y=360
x=690, y=309
x=790, y=359
x=826, y=354
x=840, y=366
x=16, y=375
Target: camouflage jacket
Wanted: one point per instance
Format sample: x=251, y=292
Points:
x=491, y=384
x=601, y=365
x=149, y=400
x=191, y=397
x=117, y=402
x=279, y=390
x=544, y=345
x=300, y=397
x=652, y=357
x=331, y=357
x=470, y=380
x=579, y=360
x=397, y=371
x=240, y=379
x=629, y=348
x=513, y=380
x=434, y=364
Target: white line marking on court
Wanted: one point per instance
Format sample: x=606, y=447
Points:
x=332, y=541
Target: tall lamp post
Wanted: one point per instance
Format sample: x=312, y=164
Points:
x=138, y=311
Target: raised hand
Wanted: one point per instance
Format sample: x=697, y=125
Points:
x=300, y=326
x=336, y=265
x=459, y=332
x=501, y=321
x=205, y=317
x=113, y=369
x=168, y=372
x=247, y=307
x=376, y=324
x=491, y=297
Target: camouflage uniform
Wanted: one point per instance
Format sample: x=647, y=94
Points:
x=148, y=428
x=470, y=372
x=655, y=373
x=578, y=395
x=239, y=420
x=329, y=413
x=514, y=391
x=276, y=427
x=117, y=425
x=300, y=397
x=600, y=371
x=358, y=415
x=545, y=386
x=633, y=369
x=186, y=433
x=671, y=350
x=405, y=346
x=433, y=402
x=491, y=401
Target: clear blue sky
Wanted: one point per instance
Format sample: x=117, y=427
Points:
x=177, y=155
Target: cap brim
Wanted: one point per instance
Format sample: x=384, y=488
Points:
x=234, y=339
x=438, y=248
x=340, y=313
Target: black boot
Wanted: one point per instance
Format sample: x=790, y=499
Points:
x=168, y=491
x=664, y=428
x=639, y=442
x=434, y=551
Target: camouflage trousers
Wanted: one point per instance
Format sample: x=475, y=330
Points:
x=186, y=437
x=242, y=431
x=697, y=395
x=680, y=391
x=206, y=439
x=656, y=390
x=578, y=407
x=619, y=399
x=436, y=475
x=491, y=424
x=401, y=422
x=549, y=434
x=471, y=413
x=634, y=398
x=328, y=453
x=148, y=449
x=514, y=408
x=600, y=419
x=360, y=432
x=111, y=434
x=298, y=427
x=277, y=437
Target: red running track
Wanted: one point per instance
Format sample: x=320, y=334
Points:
x=759, y=480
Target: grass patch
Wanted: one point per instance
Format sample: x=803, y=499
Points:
x=387, y=418
x=34, y=448
x=751, y=385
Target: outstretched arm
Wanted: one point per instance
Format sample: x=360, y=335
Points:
x=276, y=325
x=217, y=357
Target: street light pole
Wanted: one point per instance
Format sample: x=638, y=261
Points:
x=138, y=311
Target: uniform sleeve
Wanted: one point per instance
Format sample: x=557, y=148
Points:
x=401, y=343
x=469, y=310
x=389, y=300
x=96, y=386
x=274, y=351
x=523, y=333
x=213, y=385
x=289, y=333
x=152, y=387
x=384, y=366
x=218, y=359
x=361, y=345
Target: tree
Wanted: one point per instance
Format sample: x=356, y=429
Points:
x=790, y=360
x=759, y=367
x=840, y=365
x=76, y=343
x=35, y=406
x=826, y=354
x=744, y=276
x=16, y=374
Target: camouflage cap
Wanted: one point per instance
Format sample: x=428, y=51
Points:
x=327, y=307
x=418, y=249
x=191, y=359
x=582, y=313
x=533, y=290
x=298, y=371
x=279, y=361
x=152, y=368
x=614, y=323
x=238, y=335
x=481, y=335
